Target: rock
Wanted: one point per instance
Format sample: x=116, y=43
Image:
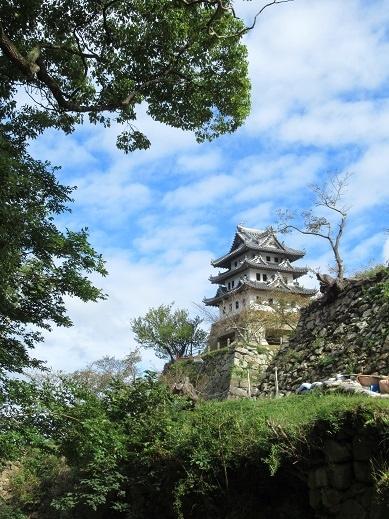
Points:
x=185, y=388
x=352, y=509
x=315, y=498
x=337, y=452
x=341, y=476
x=318, y=478
x=363, y=448
x=237, y=391
x=330, y=498
x=362, y=471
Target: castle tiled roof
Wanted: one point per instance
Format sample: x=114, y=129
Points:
x=277, y=285
x=259, y=262
x=247, y=238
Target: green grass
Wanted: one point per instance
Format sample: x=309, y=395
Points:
x=217, y=438
x=245, y=427
x=215, y=353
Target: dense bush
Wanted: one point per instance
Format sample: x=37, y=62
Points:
x=137, y=451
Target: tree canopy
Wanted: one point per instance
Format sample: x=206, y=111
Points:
x=102, y=58
x=99, y=374
x=39, y=263
x=170, y=333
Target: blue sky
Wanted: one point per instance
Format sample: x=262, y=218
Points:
x=320, y=104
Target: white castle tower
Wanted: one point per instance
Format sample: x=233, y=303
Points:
x=257, y=266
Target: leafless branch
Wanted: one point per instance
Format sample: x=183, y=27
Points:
x=328, y=196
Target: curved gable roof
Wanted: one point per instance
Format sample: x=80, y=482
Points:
x=248, y=238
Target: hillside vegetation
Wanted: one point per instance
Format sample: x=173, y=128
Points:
x=137, y=451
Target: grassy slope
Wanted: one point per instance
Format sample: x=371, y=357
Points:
x=220, y=442
x=244, y=424
x=217, y=459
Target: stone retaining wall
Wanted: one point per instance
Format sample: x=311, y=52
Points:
x=224, y=373
x=341, y=477
x=349, y=335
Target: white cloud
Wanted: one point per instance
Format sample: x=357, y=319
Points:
x=104, y=328
x=336, y=123
x=111, y=197
x=369, y=184
x=201, y=193
x=61, y=149
x=165, y=140
x=172, y=238
x=310, y=51
x=364, y=252
x=259, y=213
x=200, y=162
x=271, y=178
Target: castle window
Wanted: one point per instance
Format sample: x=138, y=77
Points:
x=264, y=277
x=232, y=283
x=271, y=301
x=235, y=264
x=276, y=259
x=229, y=286
x=285, y=279
x=258, y=277
x=230, y=306
x=268, y=258
x=237, y=304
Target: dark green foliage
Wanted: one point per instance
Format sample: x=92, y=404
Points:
x=170, y=333
x=39, y=263
x=326, y=360
x=102, y=58
x=137, y=451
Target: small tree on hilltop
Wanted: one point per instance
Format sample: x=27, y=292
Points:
x=328, y=197
x=170, y=333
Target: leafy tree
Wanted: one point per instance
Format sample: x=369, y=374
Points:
x=100, y=441
x=170, y=333
x=102, y=58
x=99, y=59
x=284, y=311
x=39, y=263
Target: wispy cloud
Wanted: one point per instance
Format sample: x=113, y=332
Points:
x=203, y=193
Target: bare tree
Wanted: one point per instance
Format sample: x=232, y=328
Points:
x=328, y=196
x=284, y=312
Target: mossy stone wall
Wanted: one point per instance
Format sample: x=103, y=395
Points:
x=349, y=335
x=223, y=374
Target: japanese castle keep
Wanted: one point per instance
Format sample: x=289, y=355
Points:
x=257, y=267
